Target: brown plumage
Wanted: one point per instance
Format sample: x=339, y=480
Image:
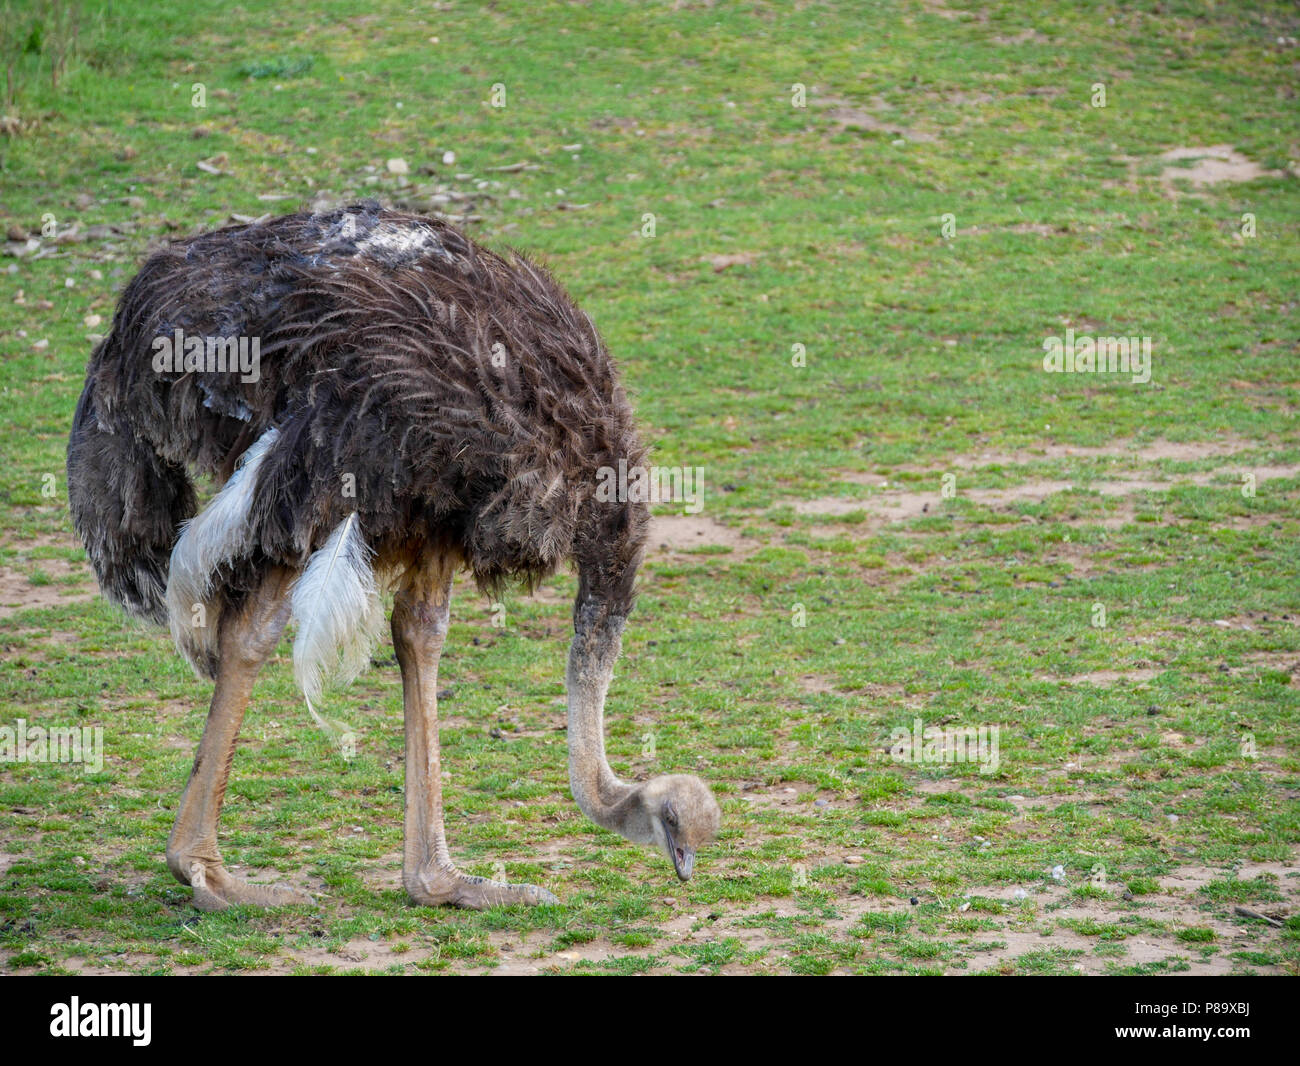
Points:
x=377, y=332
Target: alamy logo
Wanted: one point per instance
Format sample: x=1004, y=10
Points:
x=977, y=744
x=651, y=484
x=21, y=743
x=102, y=1019
x=1102, y=355
x=179, y=354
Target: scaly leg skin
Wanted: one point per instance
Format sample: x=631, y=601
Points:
x=246, y=639
x=421, y=610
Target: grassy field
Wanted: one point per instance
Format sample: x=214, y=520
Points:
x=905, y=518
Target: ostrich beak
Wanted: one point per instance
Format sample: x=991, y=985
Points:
x=683, y=858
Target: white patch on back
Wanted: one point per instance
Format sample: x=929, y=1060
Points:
x=399, y=242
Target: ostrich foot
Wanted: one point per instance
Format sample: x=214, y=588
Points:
x=438, y=885
x=215, y=889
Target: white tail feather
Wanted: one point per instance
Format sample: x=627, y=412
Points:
x=336, y=603
x=218, y=535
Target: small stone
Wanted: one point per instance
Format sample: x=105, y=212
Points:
x=1019, y=894
x=398, y=166
x=1058, y=873
x=821, y=803
x=914, y=901
x=69, y=283
x=91, y=321
x=853, y=860
x=448, y=158
x=41, y=344
x=669, y=901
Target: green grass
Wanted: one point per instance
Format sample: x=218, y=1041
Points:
x=923, y=354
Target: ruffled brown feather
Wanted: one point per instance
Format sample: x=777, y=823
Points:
x=377, y=332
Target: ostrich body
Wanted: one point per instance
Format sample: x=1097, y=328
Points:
x=420, y=405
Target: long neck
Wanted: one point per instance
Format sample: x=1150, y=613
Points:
x=607, y=801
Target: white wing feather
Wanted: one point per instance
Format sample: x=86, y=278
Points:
x=336, y=603
x=217, y=535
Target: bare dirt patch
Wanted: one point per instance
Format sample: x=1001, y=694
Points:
x=17, y=593
x=1188, y=879
x=1286, y=661
x=724, y=262
x=1251, y=623
x=1150, y=451
x=1104, y=677
x=1023, y=37
x=817, y=685
x=1050, y=801
x=798, y=795
x=848, y=116
x=895, y=505
x=943, y=11
x=1212, y=165
x=1180, y=905
x=551, y=596
x=676, y=533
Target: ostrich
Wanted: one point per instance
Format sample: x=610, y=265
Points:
x=418, y=404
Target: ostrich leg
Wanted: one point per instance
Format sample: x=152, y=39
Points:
x=421, y=610
x=246, y=639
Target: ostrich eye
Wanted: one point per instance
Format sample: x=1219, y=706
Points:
x=670, y=816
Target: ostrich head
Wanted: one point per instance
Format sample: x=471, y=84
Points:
x=681, y=815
